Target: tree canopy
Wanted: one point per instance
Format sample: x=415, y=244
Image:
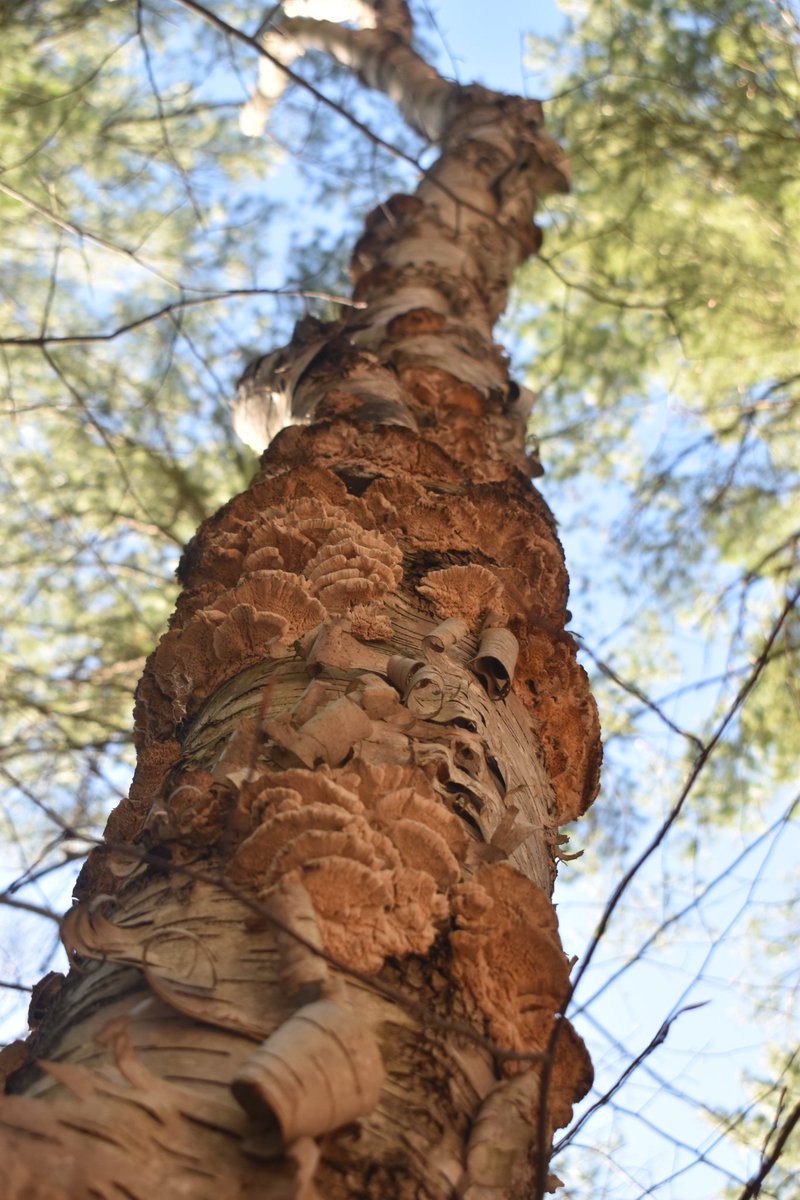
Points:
x=666, y=330
x=151, y=250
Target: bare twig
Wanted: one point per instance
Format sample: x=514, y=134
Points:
x=657, y=1040
x=695, y=771
x=26, y=906
x=78, y=339
x=84, y=235
x=636, y=691
x=753, y=1187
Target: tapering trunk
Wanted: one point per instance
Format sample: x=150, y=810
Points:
x=318, y=955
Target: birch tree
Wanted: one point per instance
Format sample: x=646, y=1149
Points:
x=316, y=954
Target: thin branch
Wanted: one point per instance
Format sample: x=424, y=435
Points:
x=51, y=814
x=84, y=235
x=106, y=439
x=696, y=1155
x=10, y=902
x=668, y=1086
x=35, y=876
x=148, y=63
x=79, y=339
x=657, y=1040
x=695, y=902
x=636, y=691
x=696, y=769
x=753, y=1187
x=755, y=571
x=596, y=294
x=173, y=114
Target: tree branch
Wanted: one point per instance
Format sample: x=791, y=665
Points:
x=753, y=1187
x=240, y=36
x=79, y=339
x=611, y=906
x=85, y=235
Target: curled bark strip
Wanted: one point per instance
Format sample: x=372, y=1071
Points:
x=338, y=726
x=328, y=736
x=495, y=661
x=445, y=636
x=421, y=687
x=376, y=697
x=302, y=971
x=300, y=746
x=170, y=955
x=401, y=671
x=425, y=695
x=320, y=1070
x=333, y=645
x=86, y=933
x=511, y=832
x=123, y=866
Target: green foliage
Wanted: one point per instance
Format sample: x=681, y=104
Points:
x=666, y=332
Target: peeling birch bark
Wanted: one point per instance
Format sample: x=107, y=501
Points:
x=317, y=956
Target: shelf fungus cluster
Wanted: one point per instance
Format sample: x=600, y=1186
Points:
x=319, y=937
x=355, y=749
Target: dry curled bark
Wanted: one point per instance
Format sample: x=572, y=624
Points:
x=318, y=956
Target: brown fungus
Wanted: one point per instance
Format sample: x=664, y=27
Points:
x=355, y=566
x=258, y=618
x=374, y=847
x=466, y=592
x=507, y=953
x=564, y=718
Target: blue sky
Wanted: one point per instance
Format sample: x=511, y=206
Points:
x=487, y=41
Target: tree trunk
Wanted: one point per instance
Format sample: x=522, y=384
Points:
x=317, y=956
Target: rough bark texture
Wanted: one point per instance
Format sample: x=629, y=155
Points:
x=328, y=961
